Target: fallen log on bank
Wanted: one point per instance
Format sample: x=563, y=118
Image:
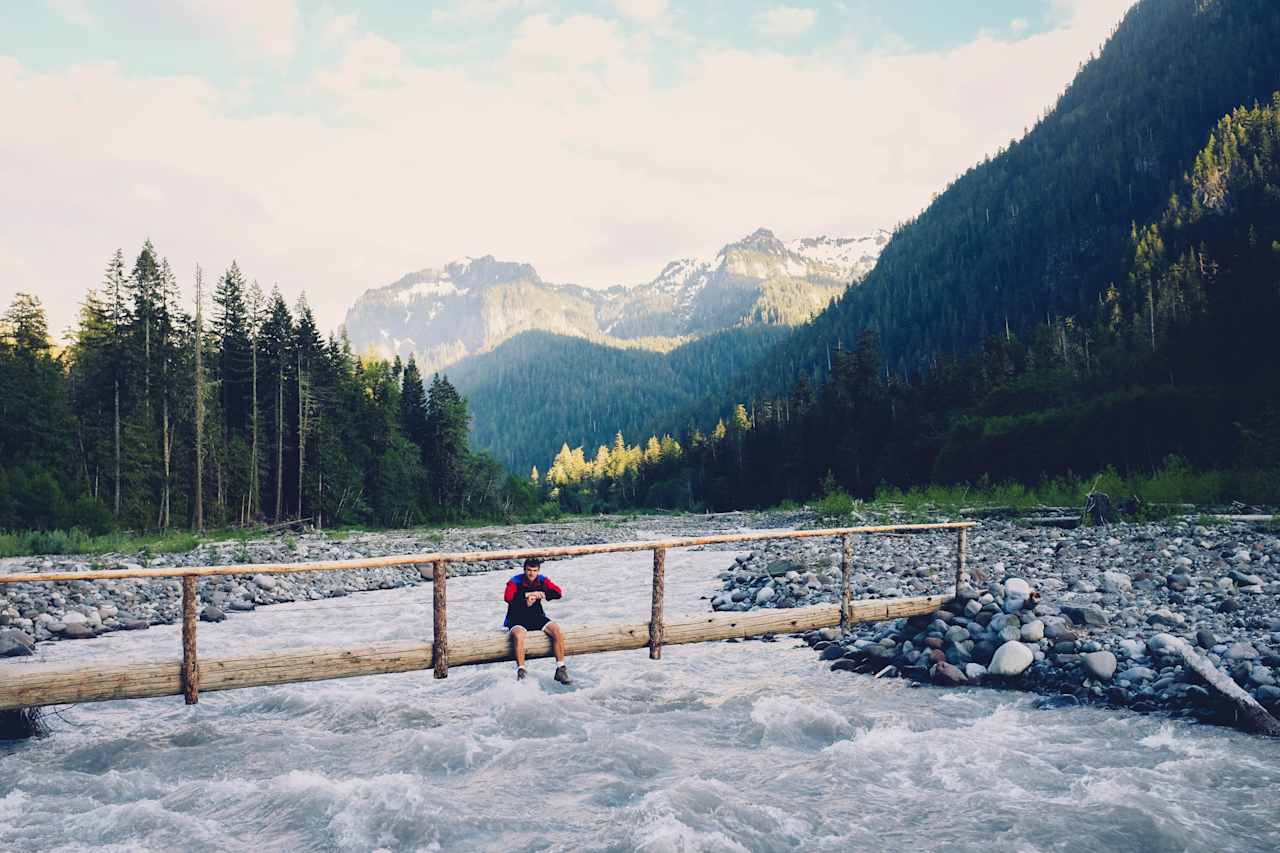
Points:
x=1250, y=715
x=27, y=685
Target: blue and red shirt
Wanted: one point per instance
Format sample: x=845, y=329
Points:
x=532, y=616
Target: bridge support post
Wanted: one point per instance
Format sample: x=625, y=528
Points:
x=962, y=548
x=190, y=666
x=846, y=581
x=656, y=620
x=440, y=621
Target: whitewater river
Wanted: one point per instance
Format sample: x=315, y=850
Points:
x=719, y=746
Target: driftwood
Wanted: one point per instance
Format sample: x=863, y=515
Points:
x=24, y=685
x=1250, y=715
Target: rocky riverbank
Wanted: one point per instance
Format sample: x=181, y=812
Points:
x=32, y=613
x=1083, y=615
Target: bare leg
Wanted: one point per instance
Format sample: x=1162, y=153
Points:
x=557, y=640
x=517, y=637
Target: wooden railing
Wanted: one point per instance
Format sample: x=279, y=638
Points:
x=137, y=681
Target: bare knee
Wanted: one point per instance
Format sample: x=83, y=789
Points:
x=517, y=635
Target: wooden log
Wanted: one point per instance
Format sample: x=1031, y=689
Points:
x=659, y=590
x=1250, y=715
x=467, y=556
x=440, y=619
x=29, y=685
x=846, y=581
x=962, y=548
x=190, y=666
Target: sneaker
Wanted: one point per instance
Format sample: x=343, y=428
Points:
x=521, y=674
x=562, y=675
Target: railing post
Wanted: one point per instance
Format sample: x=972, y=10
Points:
x=190, y=666
x=659, y=591
x=846, y=581
x=440, y=641
x=962, y=547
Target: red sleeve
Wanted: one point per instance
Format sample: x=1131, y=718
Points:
x=553, y=591
x=510, y=592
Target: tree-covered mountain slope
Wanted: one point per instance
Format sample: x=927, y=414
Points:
x=538, y=389
x=1168, y=387
x=1042, y=228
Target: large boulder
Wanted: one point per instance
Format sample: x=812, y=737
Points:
x=1011, y=659
x=1101, y=665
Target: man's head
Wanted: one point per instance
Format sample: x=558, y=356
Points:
x=532, y=567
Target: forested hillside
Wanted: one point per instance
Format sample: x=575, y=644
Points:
x=154, y=418
x=538, y=389
x=1042, y=228
x=1172, y=370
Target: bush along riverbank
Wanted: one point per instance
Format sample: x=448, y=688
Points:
x=1087, y=615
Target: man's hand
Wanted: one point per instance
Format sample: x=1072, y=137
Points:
x=531, y=597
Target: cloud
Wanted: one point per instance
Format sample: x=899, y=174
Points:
x=262, y=29
x=784, y=21
x=338, y=29
x=1018, y=25
x=564, y=151
x=75, y=12
x=644, y=11
x=483, y=10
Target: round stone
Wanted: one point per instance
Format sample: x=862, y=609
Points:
x=1011, y=659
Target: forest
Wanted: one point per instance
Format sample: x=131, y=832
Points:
x=153, y=418
x=1171, y=369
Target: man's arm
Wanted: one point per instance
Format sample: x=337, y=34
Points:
x=553, y=591
x=510, y=593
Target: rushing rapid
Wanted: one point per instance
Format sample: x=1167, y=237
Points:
x=718, y=747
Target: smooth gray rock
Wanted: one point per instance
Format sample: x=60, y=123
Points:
x=1085, y=614
x=15, y=643
x=1011, y=659
x=1033, y=631
x=947, y=674
x=212, y=614
x=1116, y=582
x=1101, y=665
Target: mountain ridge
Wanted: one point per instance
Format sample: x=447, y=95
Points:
x=471, y=305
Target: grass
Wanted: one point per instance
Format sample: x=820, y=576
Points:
x=1175, y=482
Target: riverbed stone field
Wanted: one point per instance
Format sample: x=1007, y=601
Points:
x=1083, y=615
x=33, y=613
x=1078, y=616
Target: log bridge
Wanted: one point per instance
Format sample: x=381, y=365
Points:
x=32, y=685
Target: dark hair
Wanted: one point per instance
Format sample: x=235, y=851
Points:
x=532, y=562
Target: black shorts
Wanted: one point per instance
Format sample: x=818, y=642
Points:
x=532, y=623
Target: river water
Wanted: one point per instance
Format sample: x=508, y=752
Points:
x=718, y=747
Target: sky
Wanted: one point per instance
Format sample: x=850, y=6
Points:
x=330, y=147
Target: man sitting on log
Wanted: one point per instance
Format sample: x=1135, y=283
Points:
x=524, y=595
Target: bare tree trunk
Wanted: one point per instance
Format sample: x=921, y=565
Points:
x=146, y=369
x=116, y=385
x=253, y=451
x=302, y=429
x=167, y=450
x=320, y=472
x=199, y=518
x=279, y=442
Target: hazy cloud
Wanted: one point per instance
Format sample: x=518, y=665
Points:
x=784, y=21
x=563, y=152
